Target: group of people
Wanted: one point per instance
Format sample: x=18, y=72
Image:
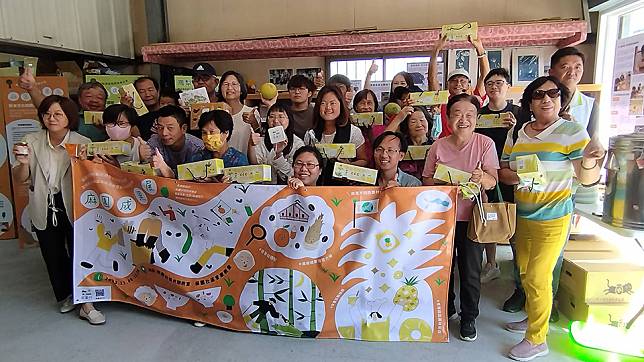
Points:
x=552, y=121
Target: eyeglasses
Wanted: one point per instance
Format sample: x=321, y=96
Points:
x=540, y=93
x=112, y=125
x=390, y=151
x=57, y=115
x=497, y=83
x=308, y=165
x=231, y=85
x=299, y=89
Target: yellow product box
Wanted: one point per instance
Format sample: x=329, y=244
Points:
x=530, y=170
x=112, y=148
x=460, y=31
x=596, y=245
x=616, y=315
x=430, y=98
x=200, y=169
x=416, y=153
x=572, y=255
x=451, y=175
x=602, y=281
x=355, y=173
x=138, y=104
x=140, y=168
x=249, y=174
x=197, y=109
x=90, y=117
x=337, y=150
x=367, y=119
x=491, y=120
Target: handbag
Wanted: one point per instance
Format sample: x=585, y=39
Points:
x=492, y=222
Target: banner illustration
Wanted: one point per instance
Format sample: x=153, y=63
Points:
x=326, y=262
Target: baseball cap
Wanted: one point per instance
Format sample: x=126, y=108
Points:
x=203, y=69
x=459, y=71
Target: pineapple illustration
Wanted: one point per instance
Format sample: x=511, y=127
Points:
x=407, y=295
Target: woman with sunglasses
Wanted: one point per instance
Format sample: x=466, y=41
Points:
x=307, y=164
x=543, y=211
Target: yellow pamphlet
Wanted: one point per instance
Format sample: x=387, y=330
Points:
x=337, y=150
x=430, y=98
x=460, y=31
x=90, y=117
x=451, y=175
x=367, y=119
x=138, y=104
x=491, y=120
x=530, y=170
x=112, y=148
x=416, y=153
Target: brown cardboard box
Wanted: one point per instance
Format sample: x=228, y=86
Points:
x=602, y=281
x=575, y=309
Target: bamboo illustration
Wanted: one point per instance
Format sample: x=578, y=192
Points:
x=312, y=325
x=291, y=317
x=263, y=323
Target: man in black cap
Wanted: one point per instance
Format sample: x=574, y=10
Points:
x=203, y=75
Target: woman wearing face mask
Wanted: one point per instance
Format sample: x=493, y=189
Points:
x=233, y=91
x=216, y=129
x=307, y=167
x=279, y=155
x=45, y=165
x=331, y=125
x=474, y=153
x=118, y=120
x=416, y=129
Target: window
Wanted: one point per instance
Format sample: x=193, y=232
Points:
x=356, y=69
x=631, y=23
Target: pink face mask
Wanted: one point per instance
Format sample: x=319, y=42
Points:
x=117, y=133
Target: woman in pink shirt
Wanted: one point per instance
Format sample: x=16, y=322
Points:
x=474, y=153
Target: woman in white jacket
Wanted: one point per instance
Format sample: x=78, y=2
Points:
x=43, y=163
x=279, y=155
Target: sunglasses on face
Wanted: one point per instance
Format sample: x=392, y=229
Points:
x=540, y=93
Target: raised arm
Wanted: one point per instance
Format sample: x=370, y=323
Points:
x=28, y=82
x=484, y=64
x=372, y=70
x=432, y=71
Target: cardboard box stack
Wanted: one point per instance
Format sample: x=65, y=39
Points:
x=598, y=284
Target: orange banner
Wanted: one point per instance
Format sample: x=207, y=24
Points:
x=326, y=262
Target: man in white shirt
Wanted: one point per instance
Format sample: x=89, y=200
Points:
x=567, y=64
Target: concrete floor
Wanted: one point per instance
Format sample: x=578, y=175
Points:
x=33, y=330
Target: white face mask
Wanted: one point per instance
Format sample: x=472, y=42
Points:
x=117, y=133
